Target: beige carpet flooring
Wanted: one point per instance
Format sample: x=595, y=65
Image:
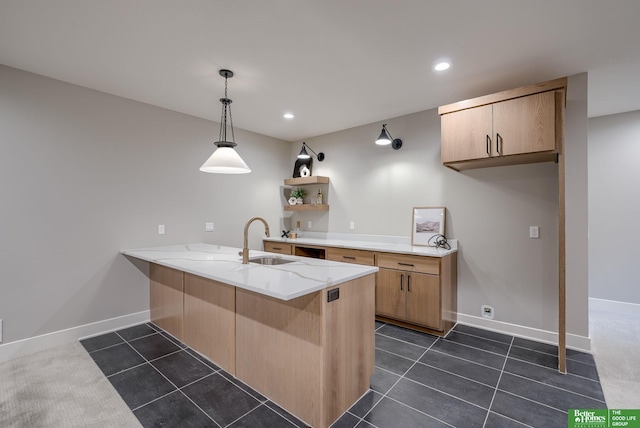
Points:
x=59, y=388
x=615, y=343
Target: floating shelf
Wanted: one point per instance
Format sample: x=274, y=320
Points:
x=300, y=181
x=306, y=207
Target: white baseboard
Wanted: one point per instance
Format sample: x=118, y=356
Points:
x=28, y=346
x=579, y=343
x=614, y=306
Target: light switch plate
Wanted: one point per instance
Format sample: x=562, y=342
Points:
x=208, y=227
x=352, y=225
x=0, y=331
x=309, y=224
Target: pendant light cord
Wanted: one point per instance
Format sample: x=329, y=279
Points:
x=223, y=118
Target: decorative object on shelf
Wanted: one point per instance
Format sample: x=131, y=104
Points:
x=385, y=139
x=319, y=197
x=285, y=234
x=304, y=171
x=225, y=160
x=298, y=193
x=293, y=201
x=304, y=155
x=300, y=163
x=427, y=222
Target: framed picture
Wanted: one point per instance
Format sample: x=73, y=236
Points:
x=427, y=222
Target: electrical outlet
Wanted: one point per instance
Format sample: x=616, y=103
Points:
x=352, y=225
x=0, y=331
x=487, y=311
x=161, y=229
x=534, y=232
x=208, y=227
x=309, y=224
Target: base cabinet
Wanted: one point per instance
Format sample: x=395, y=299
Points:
x=410, y=297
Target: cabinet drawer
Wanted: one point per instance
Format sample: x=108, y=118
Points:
x=345, y=255
x=277, y=247
x=422, y=264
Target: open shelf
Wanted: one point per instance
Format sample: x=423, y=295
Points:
x=300, y=181
x=306, y=207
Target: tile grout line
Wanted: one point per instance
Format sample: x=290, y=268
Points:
x=495, y=391
x=168, y=380
x=253, y=410
x=398, y=381
x=552, y=386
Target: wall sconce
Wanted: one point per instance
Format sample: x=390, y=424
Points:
x=304, y=155
x=385, y=139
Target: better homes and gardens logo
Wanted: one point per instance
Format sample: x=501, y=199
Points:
x=603, y=418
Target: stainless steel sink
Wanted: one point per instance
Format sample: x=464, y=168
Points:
x=269, y=260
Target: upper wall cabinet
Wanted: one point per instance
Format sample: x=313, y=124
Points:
x=522, y=125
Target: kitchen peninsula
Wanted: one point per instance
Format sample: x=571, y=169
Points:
x=300, y=332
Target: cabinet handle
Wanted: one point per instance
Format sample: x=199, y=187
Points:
x=488, y=144
x=498, y=138
x=401, y=281
x=349, y=257
x=277, y=248
x=409, y=283
x=406, y=264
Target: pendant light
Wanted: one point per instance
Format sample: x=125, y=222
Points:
x=225, y=160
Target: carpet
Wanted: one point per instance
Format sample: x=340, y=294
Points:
x=59, y=387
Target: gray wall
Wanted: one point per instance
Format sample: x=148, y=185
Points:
x=614, y=207
x=85, y=174
x=488, y=210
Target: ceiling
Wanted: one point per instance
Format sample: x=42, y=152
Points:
x=335, y=64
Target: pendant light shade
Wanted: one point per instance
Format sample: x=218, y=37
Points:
x=225, y=160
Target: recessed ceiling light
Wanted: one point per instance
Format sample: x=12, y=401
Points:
x=441, y=66
x=288, y=116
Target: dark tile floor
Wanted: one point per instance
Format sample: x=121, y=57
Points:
x=471, y=378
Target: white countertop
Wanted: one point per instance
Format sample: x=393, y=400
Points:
x=286, y=281
x=370, y=243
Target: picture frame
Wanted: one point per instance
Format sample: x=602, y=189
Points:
x=426, y=223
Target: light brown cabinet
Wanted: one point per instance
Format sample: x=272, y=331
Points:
x=405, y=294
x=348, y=255
x=518, y=126
x=418, y=292
x=277, y=247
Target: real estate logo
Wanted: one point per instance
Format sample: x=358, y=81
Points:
x=602, y=418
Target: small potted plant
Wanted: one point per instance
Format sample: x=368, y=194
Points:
x=299, y=194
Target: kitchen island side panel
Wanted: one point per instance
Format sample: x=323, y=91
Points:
x=349, y=345
x=312, y=357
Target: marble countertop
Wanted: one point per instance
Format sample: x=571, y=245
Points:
x=387, y=246
x=285, y=281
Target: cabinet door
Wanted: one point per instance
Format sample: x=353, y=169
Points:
x=423, y=300
x=466, y=134
x=390, y=293
x=524, y=125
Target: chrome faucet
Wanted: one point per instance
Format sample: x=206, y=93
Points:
x=245, y=250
